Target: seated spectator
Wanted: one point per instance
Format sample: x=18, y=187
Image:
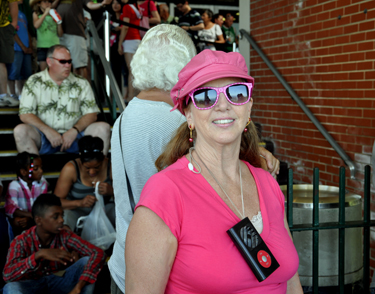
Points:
x=211, y=34
x=20, y=70
x=47, y=30
x=190, y=20
x=23, y=192
x=57, y=108
x=76, y=184
x=218, y=19
x=229, y=31
x=50, y=259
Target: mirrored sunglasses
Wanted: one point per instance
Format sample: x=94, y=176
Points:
x=207, y=97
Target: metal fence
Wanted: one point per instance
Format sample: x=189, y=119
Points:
x=340, y=225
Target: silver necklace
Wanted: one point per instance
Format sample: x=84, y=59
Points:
x=239, y=167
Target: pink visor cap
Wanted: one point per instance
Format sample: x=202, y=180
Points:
x=204, y=67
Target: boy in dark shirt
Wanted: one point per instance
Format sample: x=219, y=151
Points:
x=49, y=259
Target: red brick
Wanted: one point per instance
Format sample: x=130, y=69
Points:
x=330, y=5
x=351, y=29
x=358, y=37
x=351, y=9
x=349, y=48
x=357, y=56
x=357, y=75
x=365, y=65
x=366, y=26
x=358, y=17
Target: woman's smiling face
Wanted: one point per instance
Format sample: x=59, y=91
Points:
x=223, y=123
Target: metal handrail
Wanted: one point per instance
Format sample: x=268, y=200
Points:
x=107, y=67
x=301, y=104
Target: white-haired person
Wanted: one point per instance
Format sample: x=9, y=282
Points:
x=146, y=126
x=211, y=181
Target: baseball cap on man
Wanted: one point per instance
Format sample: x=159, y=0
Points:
x=204, y=67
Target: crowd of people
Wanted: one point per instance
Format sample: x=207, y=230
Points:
x=64, y=23
x=185, y=163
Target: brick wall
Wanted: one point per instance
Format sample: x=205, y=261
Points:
x=326, y=51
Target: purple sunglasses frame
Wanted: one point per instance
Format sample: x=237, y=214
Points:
x=222, y=90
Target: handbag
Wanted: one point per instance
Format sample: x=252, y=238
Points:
x=97, y=228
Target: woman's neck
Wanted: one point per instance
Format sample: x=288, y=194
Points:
x=221, y=159
x=156, y=95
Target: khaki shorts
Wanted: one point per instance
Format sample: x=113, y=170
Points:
x=78, y=49
x=130, y=46
x=6, y=44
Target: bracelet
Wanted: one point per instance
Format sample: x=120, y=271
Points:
x=76, y=129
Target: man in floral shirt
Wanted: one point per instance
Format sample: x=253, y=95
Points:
x=50, y=259
x=57, y=108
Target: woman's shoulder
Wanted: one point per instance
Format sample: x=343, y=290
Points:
x=172, y=173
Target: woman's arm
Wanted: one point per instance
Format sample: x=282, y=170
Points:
x=150, y=251
x=124, y=31
x=294, y=284
x=67, y=178
x=220, y=39
x=60, y=31
x=155, y=18
x=38, y=21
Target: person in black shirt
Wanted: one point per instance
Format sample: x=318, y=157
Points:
x=190, y=20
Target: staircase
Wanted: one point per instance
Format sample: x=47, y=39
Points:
x=52, y=164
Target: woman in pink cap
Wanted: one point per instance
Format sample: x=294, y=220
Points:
x=191, y=231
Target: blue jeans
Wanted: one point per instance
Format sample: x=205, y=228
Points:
x=46, y=147
x=21, y=68
x=52, y=284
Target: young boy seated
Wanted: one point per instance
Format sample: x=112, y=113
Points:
x=49, y=259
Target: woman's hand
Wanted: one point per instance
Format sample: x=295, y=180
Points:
x=88, y=201
x=273, y=164
x=105, y=189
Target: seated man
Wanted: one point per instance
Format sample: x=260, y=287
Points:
x=57, y=108
x=49, y=259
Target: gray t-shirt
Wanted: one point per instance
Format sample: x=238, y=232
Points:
x=146, y=128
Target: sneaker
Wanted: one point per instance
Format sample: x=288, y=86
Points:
x=9, y=101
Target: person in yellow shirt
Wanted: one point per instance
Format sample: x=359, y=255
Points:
x=7, y=29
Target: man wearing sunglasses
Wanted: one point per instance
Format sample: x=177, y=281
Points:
x=57, y=108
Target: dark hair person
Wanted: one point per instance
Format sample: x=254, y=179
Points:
x=24, y=191
x=212, y=182
x=77, y=180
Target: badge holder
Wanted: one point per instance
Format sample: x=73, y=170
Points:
x=253, y=249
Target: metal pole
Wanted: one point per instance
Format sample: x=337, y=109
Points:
x=289, y=211
x=302, y=105
x=366, y=230
x=316, y=231
x=342, y=231
x=107, y=68
x=107, y=49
